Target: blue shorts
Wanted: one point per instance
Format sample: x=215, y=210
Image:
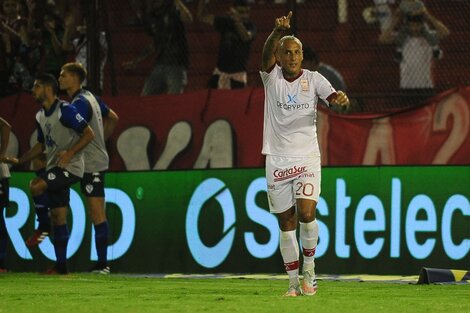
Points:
x=58, y=182
x=92, y=184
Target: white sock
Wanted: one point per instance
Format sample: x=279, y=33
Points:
x=290, y=254
x=309, y=238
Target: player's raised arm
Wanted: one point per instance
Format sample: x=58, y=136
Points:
x=280, y=25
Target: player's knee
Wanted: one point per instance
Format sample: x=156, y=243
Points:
x=307, y=216
x=58, y=216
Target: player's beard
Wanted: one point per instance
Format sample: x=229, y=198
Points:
x=38, y=98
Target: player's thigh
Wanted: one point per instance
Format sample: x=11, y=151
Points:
x=307, y=187
x=58, y=182
x=92, y=187
x=280, y=195
x=57, y=178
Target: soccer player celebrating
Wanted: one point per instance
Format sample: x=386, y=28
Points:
x=291, y=148
x=62, y=134
x=102, y=120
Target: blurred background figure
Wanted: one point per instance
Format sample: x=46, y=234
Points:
x=76, y=42
x=417, y=58
x=237, y=33
x=165, y=23
x=380, y=12
x=408, y=9
x=312, y=62
x=15, y=43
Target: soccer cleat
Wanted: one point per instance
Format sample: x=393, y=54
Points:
x=293, y=291
x=309, y=283
x=99, y=269
x=36, y=238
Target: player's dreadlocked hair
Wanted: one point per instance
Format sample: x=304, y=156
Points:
x=76, y=69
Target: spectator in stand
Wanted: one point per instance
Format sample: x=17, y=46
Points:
x=416, y=64
x=406, y=9
x=54, y=55
x=236, y=35
x=312, y=62
x=75, y=41
x=165, y=23
x=14, y=72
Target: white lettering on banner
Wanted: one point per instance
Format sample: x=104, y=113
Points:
x=454, y=203
x=216, y=151
x=342, y=204
x=455, y=244
x=413, y=226
x=324, y=233
x=126, y=237
x=455, y=107
x=217, y=147
x=263, y=218
x=380, y=142
x=17, y=221
x=369, y=203
x=395, y=227
x=207, y=256
x=119, y=248
x=210, y=257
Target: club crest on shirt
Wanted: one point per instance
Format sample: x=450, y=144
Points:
x=89, y=188
x=304, y=84
x=51, y=176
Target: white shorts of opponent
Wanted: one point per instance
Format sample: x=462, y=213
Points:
x=291, y=178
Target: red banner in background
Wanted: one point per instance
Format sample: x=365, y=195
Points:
x=219, y=128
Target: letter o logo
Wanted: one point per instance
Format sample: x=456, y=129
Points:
x=210, y=257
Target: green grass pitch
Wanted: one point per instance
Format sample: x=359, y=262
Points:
x=26, y=292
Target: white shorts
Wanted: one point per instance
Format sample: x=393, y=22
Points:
x=291, y=178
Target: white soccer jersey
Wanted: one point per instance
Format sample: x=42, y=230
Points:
x=416, y=67
x=290, y=110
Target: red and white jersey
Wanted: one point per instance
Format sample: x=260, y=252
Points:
x=290, y=112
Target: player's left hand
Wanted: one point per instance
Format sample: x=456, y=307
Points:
x=341, y=99
x=64, y=158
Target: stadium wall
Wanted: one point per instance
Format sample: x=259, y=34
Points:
x=223, y=129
